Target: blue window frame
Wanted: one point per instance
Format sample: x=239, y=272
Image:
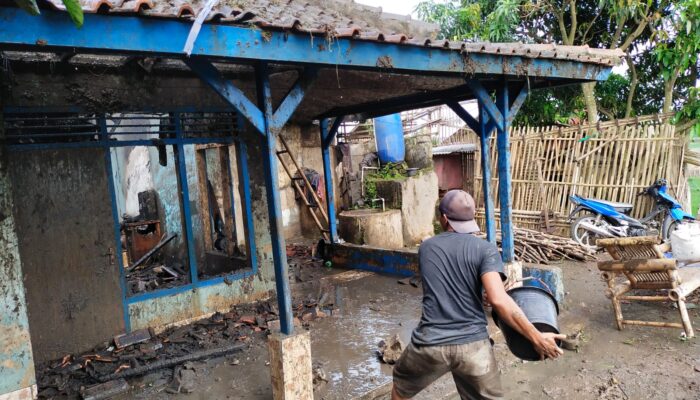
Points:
x=97, y=134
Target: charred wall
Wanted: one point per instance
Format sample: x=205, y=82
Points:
x=66, y=241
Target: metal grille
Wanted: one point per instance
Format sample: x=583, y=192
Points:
x=31, y=127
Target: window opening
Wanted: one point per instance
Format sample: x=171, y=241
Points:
x=223, y=245
x=151, y=156
x=154, y=248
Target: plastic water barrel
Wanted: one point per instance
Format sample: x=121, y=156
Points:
x=389, y=136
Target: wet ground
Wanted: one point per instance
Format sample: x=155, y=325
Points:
x=637, y=363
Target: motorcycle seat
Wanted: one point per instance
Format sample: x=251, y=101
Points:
x=620, y=207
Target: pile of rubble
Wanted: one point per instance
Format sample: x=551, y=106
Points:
x=174, y=352
x=144, y=351
x=148, y=273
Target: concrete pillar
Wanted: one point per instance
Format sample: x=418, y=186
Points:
x=290, y=366
x=17, y=380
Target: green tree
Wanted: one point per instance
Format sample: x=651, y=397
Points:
x=610, y=24
x=677, y=45
x=72, y=7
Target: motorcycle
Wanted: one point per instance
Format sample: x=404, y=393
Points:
x=607, y=219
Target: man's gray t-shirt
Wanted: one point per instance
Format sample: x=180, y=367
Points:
x=451, y=266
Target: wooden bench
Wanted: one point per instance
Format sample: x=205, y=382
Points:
x=642, y=262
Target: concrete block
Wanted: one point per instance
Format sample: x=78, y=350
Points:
x=28, y=393
x=551, y=276
x=418, y=207
x=372, y=227
x=290, y=366
x=416, y=198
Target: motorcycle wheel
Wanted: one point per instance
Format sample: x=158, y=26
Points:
x=669, y=226
x=583, y=236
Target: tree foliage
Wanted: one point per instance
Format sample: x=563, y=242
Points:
x=72, y=7
x=634, y=26
x=677, y=49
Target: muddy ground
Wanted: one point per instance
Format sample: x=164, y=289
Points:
x=637, y=363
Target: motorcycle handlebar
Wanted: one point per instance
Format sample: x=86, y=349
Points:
x=655, y=185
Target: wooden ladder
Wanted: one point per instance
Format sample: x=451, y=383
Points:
x=316, y=209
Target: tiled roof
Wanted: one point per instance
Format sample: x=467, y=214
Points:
x=340, y=19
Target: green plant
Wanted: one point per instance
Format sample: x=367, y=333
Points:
x=73, y=8
x=389, y=171
x=370, y=188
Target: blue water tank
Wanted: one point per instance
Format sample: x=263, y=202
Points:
x=390, y=143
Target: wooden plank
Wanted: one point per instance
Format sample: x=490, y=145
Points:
x=227, y=200
x=201, y=165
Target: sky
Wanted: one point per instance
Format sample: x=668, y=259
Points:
x=403, y=7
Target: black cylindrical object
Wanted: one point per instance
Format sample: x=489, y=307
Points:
x=541, y=309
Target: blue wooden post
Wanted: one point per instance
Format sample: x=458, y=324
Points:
x=326, y=140
x=484, y=135
x=279, y=253
x=504, y=177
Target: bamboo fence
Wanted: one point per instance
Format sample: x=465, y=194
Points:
x=616, y=161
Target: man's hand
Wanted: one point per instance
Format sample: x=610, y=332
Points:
x=511, y=314
x=546, y=346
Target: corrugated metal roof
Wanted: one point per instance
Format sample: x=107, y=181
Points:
x=339, y=19
x=454, y=148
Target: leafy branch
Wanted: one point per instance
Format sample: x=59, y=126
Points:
x=72, y=7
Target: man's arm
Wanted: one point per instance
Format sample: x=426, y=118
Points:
x=509, y=312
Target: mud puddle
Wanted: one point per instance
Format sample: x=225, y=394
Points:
x=371, y=309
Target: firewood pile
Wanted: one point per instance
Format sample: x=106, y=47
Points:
x=541, y=248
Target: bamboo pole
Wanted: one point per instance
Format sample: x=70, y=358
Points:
x=653, y=323
x=639, y=265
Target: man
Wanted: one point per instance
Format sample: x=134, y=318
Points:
x=451, y=336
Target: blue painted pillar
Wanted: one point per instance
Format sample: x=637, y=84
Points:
x=326, y=140
x=484, y=135
x=17, y=377
x=504, y=177
x=181, y=165
x=104, y=134
x=279, y=253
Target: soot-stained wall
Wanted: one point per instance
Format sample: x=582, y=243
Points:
x=67, y=247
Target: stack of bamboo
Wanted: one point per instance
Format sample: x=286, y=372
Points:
x=692, y=157
x=612, y=160
x=541, y=248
